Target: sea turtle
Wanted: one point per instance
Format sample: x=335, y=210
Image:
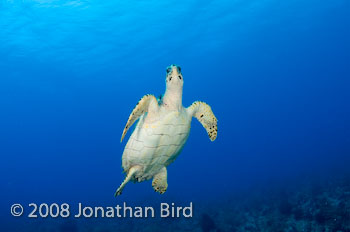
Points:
x=161, y=132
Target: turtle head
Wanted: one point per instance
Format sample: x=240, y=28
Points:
x=174, y=84
x=174, y=79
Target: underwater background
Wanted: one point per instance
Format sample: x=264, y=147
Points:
x=276, y=74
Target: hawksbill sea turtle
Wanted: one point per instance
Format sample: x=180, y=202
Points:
x=161, y=132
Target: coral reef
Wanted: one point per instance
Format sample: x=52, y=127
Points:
x=311, y=207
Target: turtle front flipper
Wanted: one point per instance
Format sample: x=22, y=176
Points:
x=160, y=181
x=147, y=103
x=203, y=113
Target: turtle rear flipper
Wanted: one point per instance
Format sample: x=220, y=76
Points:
x=132, y=171
x=160, y=182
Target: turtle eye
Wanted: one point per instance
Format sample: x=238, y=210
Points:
x=170, y=78
x=180, y=77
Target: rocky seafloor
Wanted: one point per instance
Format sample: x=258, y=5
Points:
x=322, y=206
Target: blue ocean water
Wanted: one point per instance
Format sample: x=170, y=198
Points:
x=276, y=74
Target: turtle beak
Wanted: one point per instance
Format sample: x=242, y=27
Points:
x=174, y=74
x=174, y=71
